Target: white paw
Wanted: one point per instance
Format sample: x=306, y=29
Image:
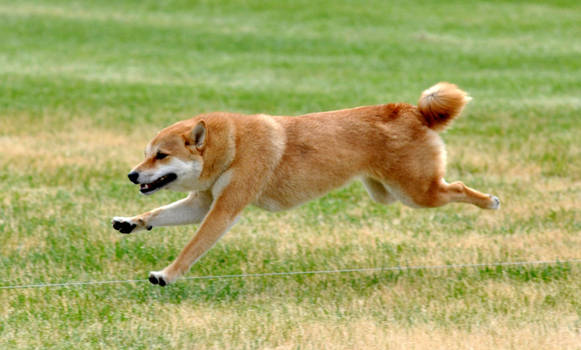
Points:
x=127, y=225
x=160, y=277
x=495, y=202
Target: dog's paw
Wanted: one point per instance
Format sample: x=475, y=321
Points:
x=494, y=203
x=127, y=225
x=160, y=277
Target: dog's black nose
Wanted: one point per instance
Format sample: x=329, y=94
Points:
x=133, y=176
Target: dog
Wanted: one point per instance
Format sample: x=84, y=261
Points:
x=227, y=161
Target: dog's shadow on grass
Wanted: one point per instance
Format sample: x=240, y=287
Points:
x=297, y=287
x=340, y=286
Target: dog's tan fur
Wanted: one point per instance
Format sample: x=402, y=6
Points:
x=279, y=162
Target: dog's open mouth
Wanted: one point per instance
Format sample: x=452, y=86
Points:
x=157, y=184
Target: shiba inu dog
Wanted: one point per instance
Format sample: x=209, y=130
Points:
x=228, y=161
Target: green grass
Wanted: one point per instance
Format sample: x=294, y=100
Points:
x=84, y=85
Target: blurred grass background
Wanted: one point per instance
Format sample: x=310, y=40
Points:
x=84, y=86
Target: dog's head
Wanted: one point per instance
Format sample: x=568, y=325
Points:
x=174, y=159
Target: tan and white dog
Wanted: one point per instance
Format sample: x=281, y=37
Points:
x=228, y=161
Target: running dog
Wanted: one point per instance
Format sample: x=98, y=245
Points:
x=227, y=161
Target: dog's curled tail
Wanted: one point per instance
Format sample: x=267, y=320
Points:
x=441, y=103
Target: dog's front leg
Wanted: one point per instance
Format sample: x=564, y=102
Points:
x=223, y=214
x=189, y=210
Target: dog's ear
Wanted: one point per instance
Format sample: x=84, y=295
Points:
x=198, y=135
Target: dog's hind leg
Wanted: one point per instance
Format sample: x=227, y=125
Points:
x=440, y=193
x=378, y=191
x=458, y=192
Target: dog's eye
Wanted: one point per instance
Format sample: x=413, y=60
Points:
x=160, y=155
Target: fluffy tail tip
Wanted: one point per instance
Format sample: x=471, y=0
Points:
x=441, y=103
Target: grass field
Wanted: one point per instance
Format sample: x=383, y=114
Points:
x=84, y=85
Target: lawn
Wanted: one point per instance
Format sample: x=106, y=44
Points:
x=84, y=86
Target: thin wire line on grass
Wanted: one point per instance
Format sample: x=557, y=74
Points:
x=313, y=272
